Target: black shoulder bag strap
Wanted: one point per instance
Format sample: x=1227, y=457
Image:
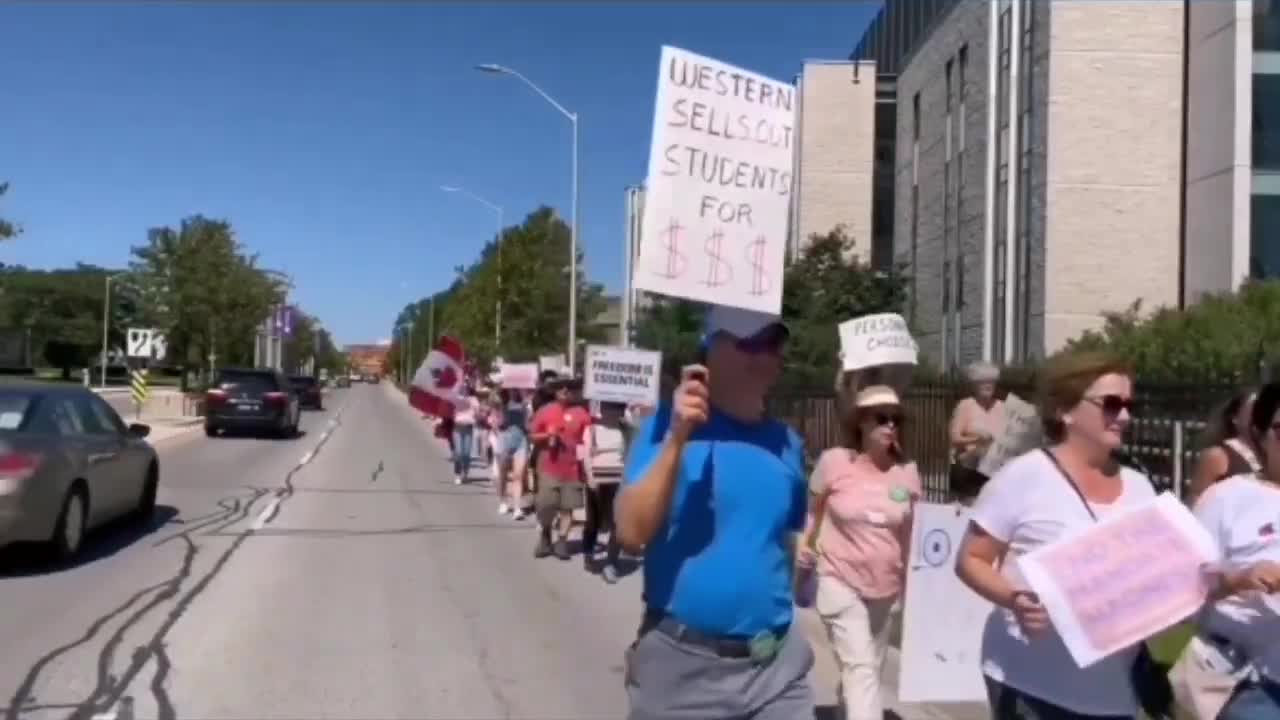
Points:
x=1149, y=679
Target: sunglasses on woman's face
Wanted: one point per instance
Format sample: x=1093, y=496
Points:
x=1111, y=405
x=889, y=417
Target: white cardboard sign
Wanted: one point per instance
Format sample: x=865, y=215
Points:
x=882, y=339
x=1023, y=431
x=718, y=196
x=552, y=362
x=942, y=619
x=1122, y=579
x=622, y=375
x=519, y=376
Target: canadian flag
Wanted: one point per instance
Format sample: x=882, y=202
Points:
x=437, y=386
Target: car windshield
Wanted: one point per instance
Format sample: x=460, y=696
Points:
x=15, y=408
x=247, y=382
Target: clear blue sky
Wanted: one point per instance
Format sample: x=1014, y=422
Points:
x=323, y=130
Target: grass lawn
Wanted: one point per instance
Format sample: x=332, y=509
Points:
x=55, y=375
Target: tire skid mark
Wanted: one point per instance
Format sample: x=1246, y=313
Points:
x=110, y=688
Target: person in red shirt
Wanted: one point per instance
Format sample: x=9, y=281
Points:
x=558, y=431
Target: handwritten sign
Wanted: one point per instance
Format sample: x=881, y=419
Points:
x=718, y=197
x=1022, y=432
x=942, y=619
x=519, y=376
x=1123, y=579
x=622, y=375
x=882, y=339
x=552, y=362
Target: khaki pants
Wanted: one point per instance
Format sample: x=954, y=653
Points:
x=859, y=632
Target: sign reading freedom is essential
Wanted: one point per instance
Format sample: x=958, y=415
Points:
x=622, y=375
x=872, y=340
x=718, y=195
x=1124, y=578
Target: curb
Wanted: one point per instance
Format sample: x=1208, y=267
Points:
x=184, y=429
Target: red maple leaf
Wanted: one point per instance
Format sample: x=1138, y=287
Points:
x=445, y=377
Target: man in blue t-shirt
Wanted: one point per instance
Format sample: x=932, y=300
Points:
x=714, y=492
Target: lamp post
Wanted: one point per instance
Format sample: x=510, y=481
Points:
x=497, y=311
x=106, y=324
x=573, y=228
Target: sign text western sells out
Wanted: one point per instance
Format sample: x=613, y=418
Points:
x=718, y=194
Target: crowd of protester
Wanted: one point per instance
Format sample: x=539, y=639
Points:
x=733, y=525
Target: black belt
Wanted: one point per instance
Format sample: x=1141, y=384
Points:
x=725, y=647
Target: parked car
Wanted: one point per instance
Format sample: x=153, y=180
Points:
x=258, y=400
x=343, y=381
x=69, y=464
x=372, y=378
x=308, y=390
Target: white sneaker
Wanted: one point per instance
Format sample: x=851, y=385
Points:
x=457, y=480
x=519, y=515
x=503, y=509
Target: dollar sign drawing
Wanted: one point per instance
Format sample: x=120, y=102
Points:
x=676, y=260
x=755, y=255
x=719, y=271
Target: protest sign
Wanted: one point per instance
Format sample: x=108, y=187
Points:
x=552, y=362
x=519, y=376
x=872, y=340
x=622, y=375
x=942, y=619
x=718, y=196
x=1124, y=578
x=1022, y=432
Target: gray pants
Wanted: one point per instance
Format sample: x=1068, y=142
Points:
x=671, y=680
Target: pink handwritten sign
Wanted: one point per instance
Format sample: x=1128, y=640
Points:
x=1123, y=579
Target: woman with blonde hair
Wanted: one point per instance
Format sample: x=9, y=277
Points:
x=976, y=421
x=862, y=496
x=1034, y=501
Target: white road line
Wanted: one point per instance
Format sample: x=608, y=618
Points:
x=266, y=514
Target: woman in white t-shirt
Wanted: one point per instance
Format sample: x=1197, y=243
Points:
x=1033, y=501
x=1242, y=513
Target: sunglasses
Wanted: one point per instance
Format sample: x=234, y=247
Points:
x=768, y=340
x=1112, y=404
x=889, y=417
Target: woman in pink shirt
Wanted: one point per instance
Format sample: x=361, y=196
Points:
x=858, y=534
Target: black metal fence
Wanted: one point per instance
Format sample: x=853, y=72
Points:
x=1164, y=437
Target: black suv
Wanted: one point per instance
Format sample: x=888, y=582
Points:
x=260, y=400
x=309, y=393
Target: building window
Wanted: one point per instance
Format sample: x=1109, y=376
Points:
x=1022, y=281
x=1264, y=236
x=915, y=201
x=964, y=92
x=1266, y=25
x=1266, y=122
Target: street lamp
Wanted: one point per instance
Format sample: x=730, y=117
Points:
x=106, y=323
x=573, y=228
x=497, y=312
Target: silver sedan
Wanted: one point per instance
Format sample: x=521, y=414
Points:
x=69, y=464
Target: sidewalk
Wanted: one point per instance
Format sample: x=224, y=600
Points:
x=825, y=675
x=165, y=428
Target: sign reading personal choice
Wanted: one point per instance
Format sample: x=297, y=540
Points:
x=519, y=376
x=1123, y=579
x=882, y=339
x=718, y=196
x=1022, y=432
x=622, y=375
x=942, y=619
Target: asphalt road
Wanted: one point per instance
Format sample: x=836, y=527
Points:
x=339, y=575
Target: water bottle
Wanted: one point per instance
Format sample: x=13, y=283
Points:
x=806, y=587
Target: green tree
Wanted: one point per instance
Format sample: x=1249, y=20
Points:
x=63, y=311
x=207, y=295
x=8, y=229
x=1225, y=337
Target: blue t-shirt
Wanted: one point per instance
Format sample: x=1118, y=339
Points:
x=720, y=563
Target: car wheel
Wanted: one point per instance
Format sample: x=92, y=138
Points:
x=68, y=533
x=210, y=430
x=147, y=500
